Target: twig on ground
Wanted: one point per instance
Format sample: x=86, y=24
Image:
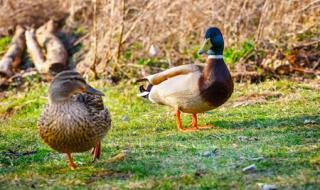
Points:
x=12, y=153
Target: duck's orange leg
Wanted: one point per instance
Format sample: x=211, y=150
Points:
x=195, y=123
x=71, y=164
x=96, y=151
x=179, y=124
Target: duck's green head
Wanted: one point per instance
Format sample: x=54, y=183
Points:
x=213, y=42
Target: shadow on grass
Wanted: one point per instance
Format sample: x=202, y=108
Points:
x=266, y=123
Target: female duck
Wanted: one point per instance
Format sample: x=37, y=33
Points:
x=193, y=88
x=75, y=120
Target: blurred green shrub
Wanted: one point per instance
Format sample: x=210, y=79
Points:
x=233, y=54
x=4, y=42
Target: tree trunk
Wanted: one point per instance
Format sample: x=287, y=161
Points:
x=12, y=59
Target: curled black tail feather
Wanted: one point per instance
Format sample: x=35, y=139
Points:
x=145, y=92
x=142, y=89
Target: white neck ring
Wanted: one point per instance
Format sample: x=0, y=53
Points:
x=215, y=56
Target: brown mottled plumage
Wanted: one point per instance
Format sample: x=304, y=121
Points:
x=75, y=119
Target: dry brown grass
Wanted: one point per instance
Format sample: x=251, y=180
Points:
x=175, y=27
x=30, y=12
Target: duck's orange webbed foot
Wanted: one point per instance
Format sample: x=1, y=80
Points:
x=195, y=123
x=71, y=164
x=190, y=129
x=179, y=124
x=205, y=127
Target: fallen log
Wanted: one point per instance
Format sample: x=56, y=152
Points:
x=56, y=57
x=12, y=58
x=35, y=52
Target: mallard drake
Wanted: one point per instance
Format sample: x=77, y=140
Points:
x=193, y=88
x=75, y=119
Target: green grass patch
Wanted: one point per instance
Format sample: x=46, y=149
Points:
x=233, y=54
x=4, y=42
x=282, y=139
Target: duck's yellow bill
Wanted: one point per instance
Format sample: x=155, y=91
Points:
x=206, y=45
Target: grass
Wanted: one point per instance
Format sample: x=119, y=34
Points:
x=232, y=55
x=279, y=134
x=4, y=42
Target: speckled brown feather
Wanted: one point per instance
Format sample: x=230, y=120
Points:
x=76, y=125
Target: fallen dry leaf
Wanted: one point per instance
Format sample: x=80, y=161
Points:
x=121, y=156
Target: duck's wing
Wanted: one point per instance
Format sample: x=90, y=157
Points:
x=158, y=78
x=98, y=111
x=182, y=92
x=93, y=103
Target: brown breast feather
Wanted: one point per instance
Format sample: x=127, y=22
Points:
x=215, y=84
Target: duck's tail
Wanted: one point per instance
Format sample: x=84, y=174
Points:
x=144, y=92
